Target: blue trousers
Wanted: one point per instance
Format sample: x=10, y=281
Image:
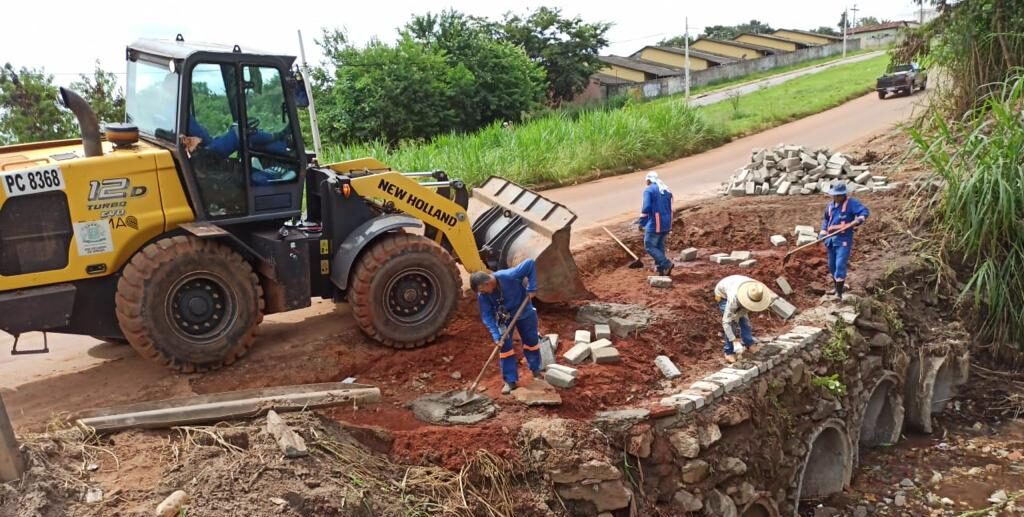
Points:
x=527, y=328
x=838, y=259
x=746, y=331
x=654, y=243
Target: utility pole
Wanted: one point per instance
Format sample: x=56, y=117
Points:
x=921, y=15
x=11, y=465
x=846, y=23
x=686, y=62
x=855, y=9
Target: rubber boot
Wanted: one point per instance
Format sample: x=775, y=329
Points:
x=507, y=388
x=840, y=285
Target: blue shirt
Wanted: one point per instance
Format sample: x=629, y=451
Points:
x=509, y=294
x=656, y=212
x=838, y=215
x=228, y=143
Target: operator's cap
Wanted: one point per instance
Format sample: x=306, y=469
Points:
x=755, y=296
x=652, y=176
x=838, y=189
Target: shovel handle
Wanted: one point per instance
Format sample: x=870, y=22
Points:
x=612, y=235
x=842, y=229
x=472, y=389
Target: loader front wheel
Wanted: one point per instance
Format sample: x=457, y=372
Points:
x=190, y=304
x=404, y=290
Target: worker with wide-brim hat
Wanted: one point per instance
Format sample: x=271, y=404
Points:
x=737, y=296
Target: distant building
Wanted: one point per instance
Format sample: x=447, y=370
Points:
x=808, y=37
x=880, y=35
x=768, y=40
x=735, y=49
x=636, y=70
x=676, y=57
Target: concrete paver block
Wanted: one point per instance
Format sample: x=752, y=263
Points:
x=805, y=238
x=802, y=229
x=730, y=381
x=578, y=353
x=599, y=344
x=559, y=379
x=779, y=240
x=602, y=331
x=606, y=355
x=783, y=188
x=716, y=389
x=784, y=285
x=747, y=375
x=784, y=309
x=553, y=341
x=749, y=187
x=582, y=336
x=547, y=356
x=747, y=264
x=741, y=255
x=663, y=282
x=683, y=405
x=571, y=372
x=667, y=367
x=688, y=254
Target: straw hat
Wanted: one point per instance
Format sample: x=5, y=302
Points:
x=754, y=296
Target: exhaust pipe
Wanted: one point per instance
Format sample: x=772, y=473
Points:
x=87, y=122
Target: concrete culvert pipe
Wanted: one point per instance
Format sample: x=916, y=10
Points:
x=927, y=389
x=882, y=418
x=760, y=508
x=829, y=462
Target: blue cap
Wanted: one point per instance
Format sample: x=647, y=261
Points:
x=838, y=189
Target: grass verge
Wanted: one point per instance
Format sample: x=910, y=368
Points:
x=559, y=149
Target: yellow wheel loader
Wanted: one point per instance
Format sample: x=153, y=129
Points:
x=180, y=229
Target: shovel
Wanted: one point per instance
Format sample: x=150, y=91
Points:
x=637, y=263
x=841, y=229
x=470, y=394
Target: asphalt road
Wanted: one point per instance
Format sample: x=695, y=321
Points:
x=35, y=378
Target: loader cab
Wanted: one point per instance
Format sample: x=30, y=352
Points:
x=229, y=118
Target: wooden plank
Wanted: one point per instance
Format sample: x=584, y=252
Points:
x=225, y=406
x=292, y=445
x=11, y=464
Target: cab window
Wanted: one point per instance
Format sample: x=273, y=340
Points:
x=212, y=140
x=273, y=157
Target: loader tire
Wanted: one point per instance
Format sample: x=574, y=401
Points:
x=405, y=288
x=190, y=304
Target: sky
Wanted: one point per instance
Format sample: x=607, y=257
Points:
x=67, y=37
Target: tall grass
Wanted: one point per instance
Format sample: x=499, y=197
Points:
x=981, y=211
x=556, y=149
x=569, y=147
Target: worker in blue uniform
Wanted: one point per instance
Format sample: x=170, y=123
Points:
x=500, y=294
x=656, y=221
x=841, y=215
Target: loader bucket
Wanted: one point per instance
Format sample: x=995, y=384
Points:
x=514, y=224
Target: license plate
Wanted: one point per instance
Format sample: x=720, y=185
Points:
x=32, y=181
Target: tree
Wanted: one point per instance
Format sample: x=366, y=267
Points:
x=728, y=32
x=867, y=20
x=102, y=93
x=506, y=83
x=408, y=90
x=567, y=48
x=28, y=107
x=843, y=22
x=826, y=30
x=675, y=41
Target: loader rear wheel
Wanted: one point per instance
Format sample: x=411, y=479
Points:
x=405, y=288
x=190, y=304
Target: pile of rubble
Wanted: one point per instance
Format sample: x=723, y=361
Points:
x=792, y=169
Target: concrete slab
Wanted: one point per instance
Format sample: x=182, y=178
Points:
x=784, y=285
x=779, y=240
x=805, y=239
x=667, y=367
x=602, y=331
x=537, y=393
x=802, y=229
x=599, y=344
x=571, y=372
x=553, y=341
x=784, y=309
x=559, y=378
x=582, y=336
x=747, y=264
x=741, y=255
x=688, y=255
x=661, y=282
x=606, y=355
x=547, y=356
x=578, y=353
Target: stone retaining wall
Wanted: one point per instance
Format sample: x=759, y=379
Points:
x=758, y=437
